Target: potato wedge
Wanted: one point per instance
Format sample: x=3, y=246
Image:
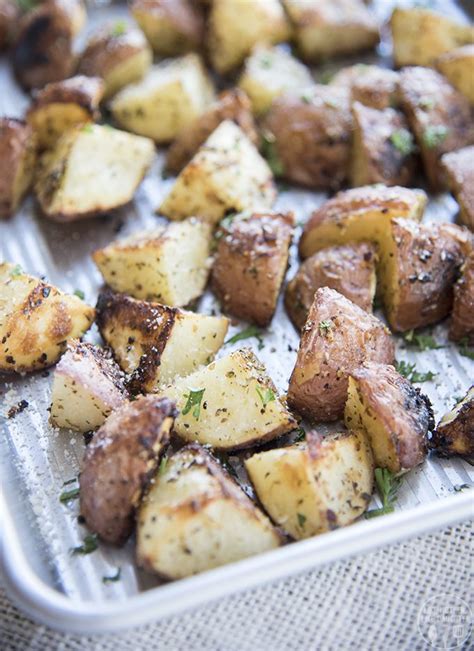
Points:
x=457, y=66
x=230, y=404
x=460, y=176
x=36, y=321
x=195, y=517
x=382, y=147
x=169, y=264
x=337, y=338
x=361, y=214
x=395, y=416
x=226, y=175
x=17, y=163
x=420, y=36
x=251, y=260
x=169, y=98
x=118, y=53
x=236, y=26
x=454, y=434
x=64, y=104
x=349, y=269
x=440, y=118
x=270, y=72
x=372, y=86
x=462, y=318
x=155, y=343
x=119, y=462
x=87, y=386
x=313, y=487
x=92, y=170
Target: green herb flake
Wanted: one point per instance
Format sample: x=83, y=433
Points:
x=265, y=396
x=69, y=481
x=162, y=467
x=402, y=140
x=433, y=136
x=247, y=333
x=301, y=520
x=119, y=28
x=422, y=342
x=87, y=128
x=270, y=153
x=89, y=545
x=306, y=97
x=464, y=349
x=79, y=293
x=325, y=327
x=194, y=399
x=16, y=271
x=426, y=103
x=410, y=373
x=300, y=435
x=68, y=496
x=387, y=486
x=26, y=5
x=112, y=579
x=326, y=76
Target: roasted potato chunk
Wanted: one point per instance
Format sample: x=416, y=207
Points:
x=87, y=386
x=337, y=338
x=462, y=319
x=17, y=162
x=43, y=48
x=361, y=214
x=90, y=171
x=226, y=175
x=36, y=320
x=9, y=13
x=270, y=72
x=382, y=147
x=457, y=66
x=316, y=486
x=370, y=85
x=439, y=116
x=118, y=463
x=169, y=264
x=328, y=28
x=172, y=27
x=195, y=517
x=155, y=343
x=236, y=26
x=62, y=105
x=455, y=432
x=420, y=36
x=395, y=416
x=459, y=169
x=250, y=262
x=230, y=404
x=348, y=269
x=118, y=53
x=309, y=136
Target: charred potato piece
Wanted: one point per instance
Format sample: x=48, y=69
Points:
x=457, y=66
x=337, y=338
x=36, y=320
x=91, y=170
x=395, y=416
x=309, y=136
x=172, y=27
x=361, y=214
x=168, y=99
x=230, y=404
x=348, y=269
x=420, y=36
x=87, y=386
x=328, y=28
x=119, y=54
x=462, y=319
x=155, y=343
x=370, y=85
x=169, y=264
x=236, y=26
x=226, y=175
x=382, y=147
x=460, y=174
x=455, y=432
x=17, y=162
x=250, y=264
x=62, y=105
x=195, y=517
x=317, y=486
x=439, y=116
x=270, y=72
x=9, y=13
x=232, y=105
x=43, y=49
x=119, y=462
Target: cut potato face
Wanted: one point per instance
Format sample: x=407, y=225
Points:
x=313, y=487
x=226, y=175
x=155, y=343
x=455, y=432
x=457, y=66
x=462, y=317
x=460, y=174
x=372, y=86
x=118, y=463
x=395, y=416
x=195, y=517
x=169, y=265
x=36, y=321
x=337, y=338
x=168, y=99
x=230, y=404
x=92, y=170
x=361, y=214
x=87, y=386
x=17, y=161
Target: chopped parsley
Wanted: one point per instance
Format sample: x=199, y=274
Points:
x=112, y=579
x=434, y=135
x=270, y=153
x=68, y=496
x=119, y=28
x=300, y=435
x=89, y=545
x=80, y=294
x=194, y=399
x=410, y=373
x=301, y=520
x=163, y=464
x=422, y=342
x=69, y=481
x=87, y=128
x=464, y=349
x=265, y=396
x=387, y=486
x=402, y=140
x=247, y=333
x=16, y=271
x=326, y=76
x=325, y=327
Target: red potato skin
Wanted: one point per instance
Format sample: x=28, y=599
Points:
x=462, y=319
x=16, y=142
x=459, y=168
x=457, y=436
x=372, y=86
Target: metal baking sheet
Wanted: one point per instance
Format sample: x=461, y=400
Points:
x=38, y=532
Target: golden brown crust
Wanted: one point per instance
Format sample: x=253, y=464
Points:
x=462, y=319
x=17, y=157
x=81, y=90
x=459, y=168
x=455, y=432
x=372, y=86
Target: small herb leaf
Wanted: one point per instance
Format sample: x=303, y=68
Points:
x=301, y=520
x=89, y=545
x=251, y=331
x=194, y=399
x=403, y=141
x=422, y=342
x=410, y=373
x=265, y=396
x=387, y=486
x=112, y=579
x=80, y=294
x=464, y=349
x=68, y=496
x=433, y=136
x=325, y=327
